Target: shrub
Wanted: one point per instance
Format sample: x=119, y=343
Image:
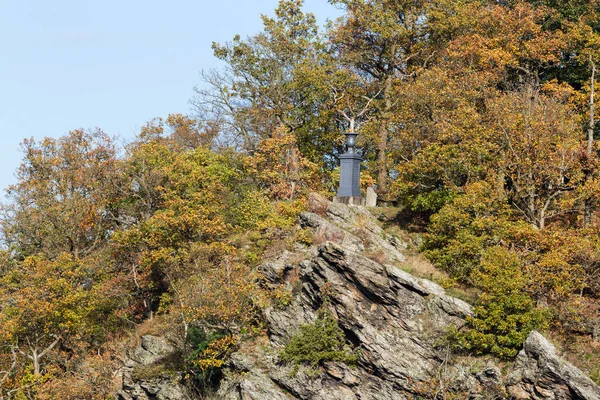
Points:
x=319, y=342
x=504, y=314
x=209, y=352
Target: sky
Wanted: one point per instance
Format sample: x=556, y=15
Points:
x=112, y=64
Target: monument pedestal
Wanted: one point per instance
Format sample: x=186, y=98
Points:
x=349, y=200
x=349, y=175
x=349, y=190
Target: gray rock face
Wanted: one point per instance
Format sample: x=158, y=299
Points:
x=354, y=229
x=395, y=320
x=540, y=374
x=143, y=382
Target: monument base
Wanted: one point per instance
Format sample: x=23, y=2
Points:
x=349, y=200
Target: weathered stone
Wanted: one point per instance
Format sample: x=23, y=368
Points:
x=152, y=350
x=349, y=200
x=540, y=374
x=352, y=227
x=394, y=319
x=327, y=231
x=371, y=200
x=274, y=271
x=382, y=310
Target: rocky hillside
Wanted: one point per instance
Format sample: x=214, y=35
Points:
x=395, y=323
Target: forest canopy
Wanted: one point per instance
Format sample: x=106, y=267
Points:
x=477, y=118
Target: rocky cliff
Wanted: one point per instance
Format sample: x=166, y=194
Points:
x=396, y=322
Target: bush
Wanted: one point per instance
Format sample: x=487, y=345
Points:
x=505, y=314
x=464, y=228
x=209, y=352
x=319, y=342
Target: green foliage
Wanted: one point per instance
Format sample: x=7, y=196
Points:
x=468, y=238
x=460, y=232
x=208, y=352
x=319, y=342
x=505, y=313
x=253, y=210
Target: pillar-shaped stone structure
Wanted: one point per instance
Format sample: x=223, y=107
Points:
x=349, y=190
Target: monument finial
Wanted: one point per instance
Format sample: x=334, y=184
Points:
x=351, y=141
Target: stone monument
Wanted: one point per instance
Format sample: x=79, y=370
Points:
x=371, y=197
x=349, y=191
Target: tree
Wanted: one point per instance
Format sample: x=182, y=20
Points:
x=63, y=191
x=281, y=174
x=48, y=302
x=540, y=141
x=268, y=82
x=382, y=40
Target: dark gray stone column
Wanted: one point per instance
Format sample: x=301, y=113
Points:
x=349, y=175
x=349, y=190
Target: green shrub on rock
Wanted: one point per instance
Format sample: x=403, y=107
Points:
x=505, y=313
x=319, y=342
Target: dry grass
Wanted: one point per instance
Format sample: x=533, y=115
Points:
x=579, y=350
x=378, y=256
x=417, y=265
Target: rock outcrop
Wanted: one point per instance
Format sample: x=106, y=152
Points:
x=396, y=322
x=148, y=376
x=540, y=374
x=393, y=318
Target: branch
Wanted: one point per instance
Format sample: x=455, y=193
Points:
x=344, y=114
x=47, y=349
x=368, y=103
x=12, y=366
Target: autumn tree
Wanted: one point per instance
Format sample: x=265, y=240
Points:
x=49, y=303
x=383, y=40
x=268, y=81
x=275, y=168
x=63, y=191
x=540, y=143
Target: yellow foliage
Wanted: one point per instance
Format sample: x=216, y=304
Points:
x=213, y=356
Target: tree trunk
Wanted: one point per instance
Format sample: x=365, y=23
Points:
x=383, y=138
x=500, y=182
x=588, y=211
x=588, y=203
x=294, y=169
x=36, y=362
x=590, y=141
x=36, y=357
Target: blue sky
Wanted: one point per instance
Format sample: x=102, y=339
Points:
x=68, y=64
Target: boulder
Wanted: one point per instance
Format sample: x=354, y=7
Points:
x=541, y=374
x=145, y=376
